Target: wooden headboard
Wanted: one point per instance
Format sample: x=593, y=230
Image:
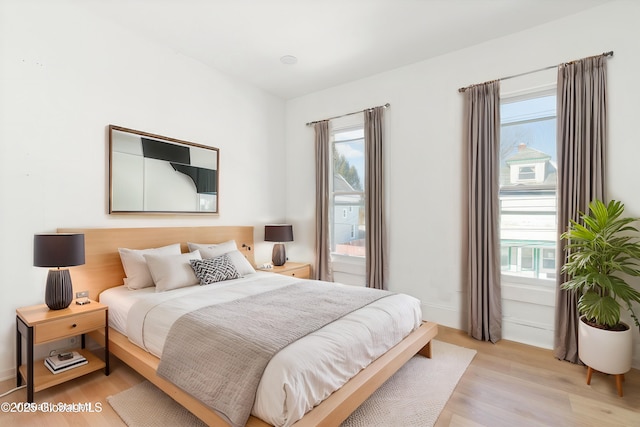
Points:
x=103, y=268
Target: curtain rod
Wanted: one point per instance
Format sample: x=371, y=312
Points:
x=387, y=105
x=462, y=89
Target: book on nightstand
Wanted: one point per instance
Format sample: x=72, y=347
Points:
x=57, y=365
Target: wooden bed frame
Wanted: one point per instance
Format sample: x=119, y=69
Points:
x=103, y=270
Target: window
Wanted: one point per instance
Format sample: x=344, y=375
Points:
x=526, y=173
x=347, y=217
x=526, y=259
x=549, y=259
x=528, y=182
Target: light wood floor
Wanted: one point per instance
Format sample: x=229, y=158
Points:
x=507, y=384
x=511, y=384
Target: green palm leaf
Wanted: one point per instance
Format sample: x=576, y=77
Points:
x=602, y=250
x=604, y=310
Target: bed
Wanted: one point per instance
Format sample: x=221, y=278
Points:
x=103, y=271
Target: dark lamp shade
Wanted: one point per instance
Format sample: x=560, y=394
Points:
x=278, y=233
x=58, y=250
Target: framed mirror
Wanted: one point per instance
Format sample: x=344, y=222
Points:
x=154, y=174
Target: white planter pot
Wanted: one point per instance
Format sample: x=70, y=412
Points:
x=609, y=352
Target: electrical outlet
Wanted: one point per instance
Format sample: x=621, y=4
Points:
x=73, y=341
x=83, y=294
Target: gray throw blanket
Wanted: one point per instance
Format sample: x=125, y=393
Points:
x=218, y=353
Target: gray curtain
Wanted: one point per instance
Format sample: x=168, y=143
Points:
x=323, y=157
x=582, y=134
x=482, y=120
x=375, y=247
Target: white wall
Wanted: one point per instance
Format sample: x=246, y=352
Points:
x=65, y=75
x=426, y=172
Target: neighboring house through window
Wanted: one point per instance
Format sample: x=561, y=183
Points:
x=528, y=184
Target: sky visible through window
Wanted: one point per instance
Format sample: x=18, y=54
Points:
x=350, y=144
x=531, y=122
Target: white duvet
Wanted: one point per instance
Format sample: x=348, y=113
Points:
x=301, y=375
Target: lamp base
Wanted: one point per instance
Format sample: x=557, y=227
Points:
x=278, y=256
x=59, y=292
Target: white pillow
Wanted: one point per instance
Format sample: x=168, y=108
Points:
x=172, y=271
x=213, y=250
x=135, y=266
x=243, y=266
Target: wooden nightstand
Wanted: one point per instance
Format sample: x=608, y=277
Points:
x=295, y=269
x=39, y=325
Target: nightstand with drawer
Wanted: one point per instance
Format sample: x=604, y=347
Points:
x=294, y=269
x=39, y=325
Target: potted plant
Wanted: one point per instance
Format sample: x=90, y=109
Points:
x=603, y=251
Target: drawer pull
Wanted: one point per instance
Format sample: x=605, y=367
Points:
x=74, y=325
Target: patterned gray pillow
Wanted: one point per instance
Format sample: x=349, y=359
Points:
x=213, y=270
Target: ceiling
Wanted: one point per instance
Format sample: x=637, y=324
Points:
x=335, y=41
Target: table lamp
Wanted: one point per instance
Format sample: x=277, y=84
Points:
x=278, y=233
x=55, y=251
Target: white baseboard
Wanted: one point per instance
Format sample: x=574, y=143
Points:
x=443, y=315
x=527, y=332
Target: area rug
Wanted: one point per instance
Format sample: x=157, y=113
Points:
x=413, y=397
